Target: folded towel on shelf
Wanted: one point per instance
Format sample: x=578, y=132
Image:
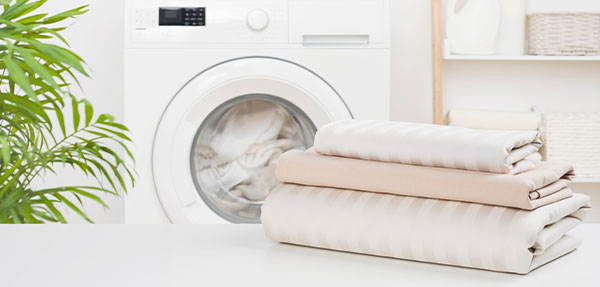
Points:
x=429, y=230
x=430, y=145
x=494, y=120
x=545, y=184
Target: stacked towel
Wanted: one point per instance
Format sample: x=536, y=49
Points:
x=497, y=120
x=429, y=193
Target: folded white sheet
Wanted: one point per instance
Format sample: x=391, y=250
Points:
x=438, y=231
x=430, y=145
x=495, y=120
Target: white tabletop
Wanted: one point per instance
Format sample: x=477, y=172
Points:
x=239, y=255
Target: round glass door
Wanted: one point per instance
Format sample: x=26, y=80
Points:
x=235, y=151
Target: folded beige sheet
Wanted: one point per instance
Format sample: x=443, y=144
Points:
x=447, y=232
x=430, y=145
x=547, y=183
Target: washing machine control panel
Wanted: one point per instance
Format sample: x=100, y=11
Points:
x=179, y=16
x=277, y=23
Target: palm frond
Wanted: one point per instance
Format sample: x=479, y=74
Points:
x=35, y=80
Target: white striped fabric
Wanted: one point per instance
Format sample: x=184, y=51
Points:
x=438, y=231
x=430, y=145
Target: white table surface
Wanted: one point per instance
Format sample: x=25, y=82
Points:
x=239, y=255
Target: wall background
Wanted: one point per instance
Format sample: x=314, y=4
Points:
x=97, y=37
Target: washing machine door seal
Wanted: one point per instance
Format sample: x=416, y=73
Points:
x=278, y=79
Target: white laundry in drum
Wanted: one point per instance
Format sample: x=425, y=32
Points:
x=235, y=157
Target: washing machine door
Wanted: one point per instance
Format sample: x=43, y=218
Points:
x=217, y=144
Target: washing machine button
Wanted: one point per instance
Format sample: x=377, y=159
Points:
x=257, y=20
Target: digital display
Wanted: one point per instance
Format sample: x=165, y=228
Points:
x=171, y=14
x=176, y=16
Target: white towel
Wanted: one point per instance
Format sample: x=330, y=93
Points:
x=430, y=145
x=494, y=120
x=447, y=232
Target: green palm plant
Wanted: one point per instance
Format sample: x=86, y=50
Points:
x=44, y=126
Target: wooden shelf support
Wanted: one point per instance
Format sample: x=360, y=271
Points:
x=438, y=58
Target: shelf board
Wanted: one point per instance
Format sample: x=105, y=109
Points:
x=586, y=180
x=522, y=58
x=454, y=57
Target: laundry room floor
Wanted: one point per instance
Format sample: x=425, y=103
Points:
x=238, y=255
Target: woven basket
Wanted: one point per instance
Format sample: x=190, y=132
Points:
x=575, y=138
x=564, y=33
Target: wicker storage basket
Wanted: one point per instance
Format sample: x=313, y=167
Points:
x=564, y=33
x=575, y=138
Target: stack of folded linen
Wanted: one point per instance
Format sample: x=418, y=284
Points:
x=429, y=193
x=497, y=120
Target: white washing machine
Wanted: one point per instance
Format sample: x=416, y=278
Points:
x=215, y=90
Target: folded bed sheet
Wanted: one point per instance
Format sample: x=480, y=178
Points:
x=545, y=184
x=430, y=145
x=495, y=120
x=446, y=232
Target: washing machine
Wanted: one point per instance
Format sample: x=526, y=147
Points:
x=215, y=90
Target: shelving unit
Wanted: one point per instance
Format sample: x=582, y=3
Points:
x=448, y=56
x=441, y=54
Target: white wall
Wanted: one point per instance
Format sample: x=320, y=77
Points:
x=98, y=38
x=412, y=92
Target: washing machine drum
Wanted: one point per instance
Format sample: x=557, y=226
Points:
x=217, y=144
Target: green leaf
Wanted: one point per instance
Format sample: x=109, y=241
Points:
x=13, y=10
x=17, y=74
x=104, y=118
x=89, y=112
x=37, y=67
x=53, y=209
x=67, y=14
x=43, y=215
x=116, y=125
x=5, y=151
x=75, y=110
x=32, y=18
x=119, y=134
x=24, y=103
x=15, y=216
x=54, y=32
x=72, y=206
x=61, y=55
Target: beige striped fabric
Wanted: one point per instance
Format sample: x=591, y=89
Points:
x=430, y=145
x=547, y=183
x=438, y=231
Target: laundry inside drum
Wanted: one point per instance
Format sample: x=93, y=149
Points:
x=236, y=148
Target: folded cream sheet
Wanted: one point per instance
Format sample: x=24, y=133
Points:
x=494, y=120
x=430, y=145
x=438, y=231
x=545, y=184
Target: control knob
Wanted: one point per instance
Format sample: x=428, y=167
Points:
x=257, y=20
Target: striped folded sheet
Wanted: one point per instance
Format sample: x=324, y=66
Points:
x=547, y=183
x=438, y=231
x=430, y=145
